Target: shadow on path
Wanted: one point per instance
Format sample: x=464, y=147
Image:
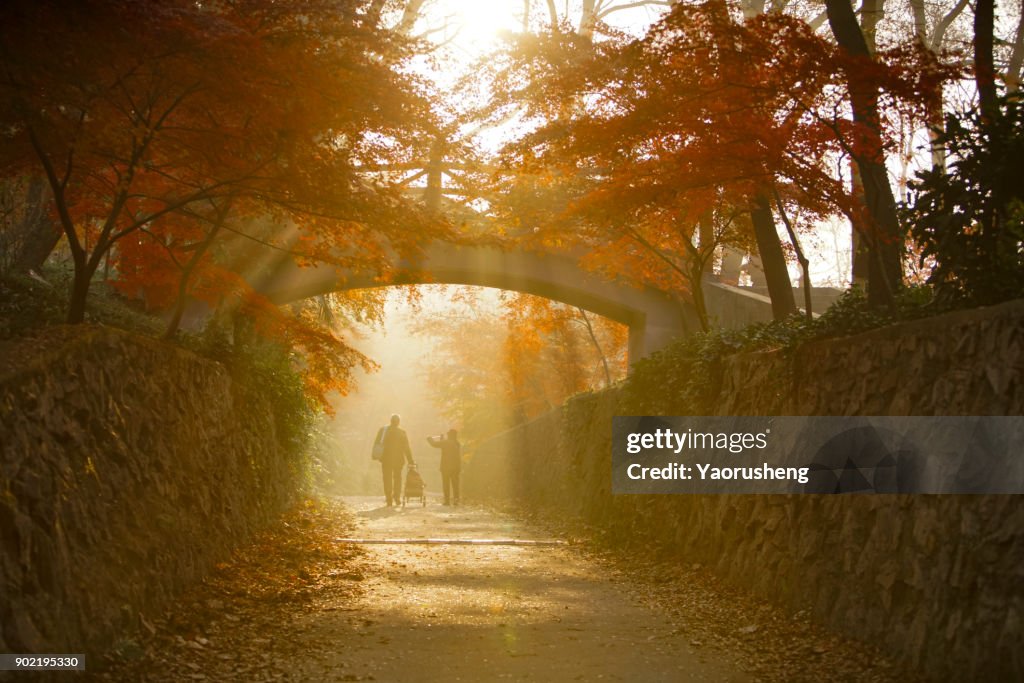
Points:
x=378, y=512
x=458, y=612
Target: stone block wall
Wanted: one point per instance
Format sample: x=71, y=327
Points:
x=937, y=581
x=127, y=468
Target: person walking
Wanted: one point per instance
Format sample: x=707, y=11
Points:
x=451, y=464
x=393, y=445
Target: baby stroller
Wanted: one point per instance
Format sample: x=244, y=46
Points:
x=414, y=487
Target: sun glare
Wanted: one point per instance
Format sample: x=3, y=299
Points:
x=484, y=19
x=473, y=26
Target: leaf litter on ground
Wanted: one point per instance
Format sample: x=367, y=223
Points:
x=242, y=622
x=771, y=643
x=245, y=621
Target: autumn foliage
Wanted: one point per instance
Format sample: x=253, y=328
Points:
x=187, y=148
x=529, y=357
x=652, y=152
x=176, y=136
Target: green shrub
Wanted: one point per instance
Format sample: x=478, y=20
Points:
x=28, y=303
x=268, y=370
x=969, y=221
x=258, y=368
x=685, y=378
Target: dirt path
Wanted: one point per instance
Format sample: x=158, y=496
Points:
x=455, y=612
x=295, y=604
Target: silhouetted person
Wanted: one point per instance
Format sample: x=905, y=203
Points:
x=451, y=464
x=396, y=454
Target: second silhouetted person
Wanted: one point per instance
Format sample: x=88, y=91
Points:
x=451, y=464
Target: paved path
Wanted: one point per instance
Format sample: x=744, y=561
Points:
x=477, y=612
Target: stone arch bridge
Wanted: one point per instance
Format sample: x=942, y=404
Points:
x=654, y=317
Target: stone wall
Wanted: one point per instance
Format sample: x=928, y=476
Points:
x=127, y=468
x=937, y=581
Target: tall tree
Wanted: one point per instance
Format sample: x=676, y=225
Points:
x=884, y=235
x=28, y=233
x=705, y=113
x=1015, y=63
x=932, y=37
x=586, y=17
x=984, y=64
x=133, y=128
x=773, y=260
x=175, y=137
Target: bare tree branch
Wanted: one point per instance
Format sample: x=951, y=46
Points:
x=632, y=5
x=1013, y=68
x=940, y=29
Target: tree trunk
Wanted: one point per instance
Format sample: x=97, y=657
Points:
x=706, y=235
x=933, y=41
x=805, y=264
x=410, y=15
x=700, y=304
x=702, y=258
x=597, y=347
x=373, y=13
x=553, y=15
x=186, y=275
x=885, y=249
x=1013, y=67
x=182, y=297
x=79, y=292
x=85, y=268
x=936, y=128
x=588, y=19
x=871, y=11
x=984, y=67
x=885, y=271
x=773, y=260
x=860, y=259
x=36, y=235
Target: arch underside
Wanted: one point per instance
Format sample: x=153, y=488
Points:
x=613, y=310
x=654, y=318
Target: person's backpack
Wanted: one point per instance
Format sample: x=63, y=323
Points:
x=378, y=445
